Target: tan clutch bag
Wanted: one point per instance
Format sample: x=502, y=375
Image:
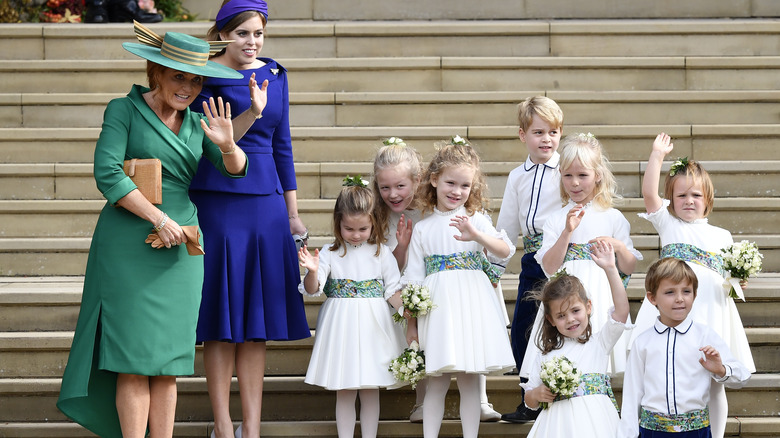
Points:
x=146, y=173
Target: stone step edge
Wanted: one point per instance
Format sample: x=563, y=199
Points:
x=66, y=291
x=61, y=340
x=446, y=28
x=372, y=63
x=475, y=132
x=296, y=384
x=440, y=97
x=332, y=169
x=81, y=244
x=65, y=206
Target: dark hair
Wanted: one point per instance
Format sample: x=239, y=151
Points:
x=354, y=200
x=566, y=288
x=672, y=269
x=230, y=26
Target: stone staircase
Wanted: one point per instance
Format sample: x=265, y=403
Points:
x=706, y=72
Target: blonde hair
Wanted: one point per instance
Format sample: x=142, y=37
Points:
x=672, y=269
x=695, y=174
x=353, y=201
x=453, y=155
x=587, y=149
x=566, y=288
x=394, y=155
x=542, y=107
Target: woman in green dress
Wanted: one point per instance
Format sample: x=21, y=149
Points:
x=136, y=327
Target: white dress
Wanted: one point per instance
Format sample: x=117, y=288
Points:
x=356, y=338
x=588, y=416
x=595, y=223
x=465, y=331
x=712, y=307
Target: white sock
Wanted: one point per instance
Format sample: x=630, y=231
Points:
x=433, y=413
x=345, y=412
x=719, y=410
x=468, y=386
x=483, y=389
x=369, y=412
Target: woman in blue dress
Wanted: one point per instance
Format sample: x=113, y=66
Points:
x=250, y=290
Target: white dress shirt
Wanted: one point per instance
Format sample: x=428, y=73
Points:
x=664, y=375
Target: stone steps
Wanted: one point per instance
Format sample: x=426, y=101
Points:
x=433, y=73
x=496, y=143
x=482, y=38
x=45, y=182
x=293, y=400
x=443, y=108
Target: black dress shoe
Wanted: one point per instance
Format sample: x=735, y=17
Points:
x=124, y=11
x=521, y=415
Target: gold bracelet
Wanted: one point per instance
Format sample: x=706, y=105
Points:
x=162, y=222
x=233, y=149
x=257, y=116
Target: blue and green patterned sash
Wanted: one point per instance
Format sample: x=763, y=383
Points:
x=532, y=243
x=581, y=251
x=687, y=422
x=468, y=260
x=593, y=383
x=346, y=288
x=691, y=253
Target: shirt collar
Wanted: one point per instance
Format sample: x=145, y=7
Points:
x=681, y=328
x=552, y=163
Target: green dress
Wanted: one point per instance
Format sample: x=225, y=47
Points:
x=140, y=305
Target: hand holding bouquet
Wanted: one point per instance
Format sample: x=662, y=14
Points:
x=410, y=365
x=416, y=299
x=560, y=375
x=741, y=260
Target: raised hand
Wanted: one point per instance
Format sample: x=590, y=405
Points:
x=404, y=232
x=466, y=228
x=712, y=361
x=308, y=260
x=663, y=144
x=574, y=217
x=219, y=129
x=257, y=96
x=603, y=254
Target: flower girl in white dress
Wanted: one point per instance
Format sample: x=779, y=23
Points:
x=356, y=339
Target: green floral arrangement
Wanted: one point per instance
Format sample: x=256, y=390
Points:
x=741, y=260
x=560, y=375
x=410, y=365
x=354, y=181
x=394, y=141
x=678, y=165
x=416, y=299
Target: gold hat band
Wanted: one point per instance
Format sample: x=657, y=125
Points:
x=184, y=56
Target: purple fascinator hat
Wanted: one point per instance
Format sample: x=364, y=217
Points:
x=235, y=7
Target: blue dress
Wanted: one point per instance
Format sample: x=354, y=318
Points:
x=250, y=288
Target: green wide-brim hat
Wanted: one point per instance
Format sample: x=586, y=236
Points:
x=180, y=52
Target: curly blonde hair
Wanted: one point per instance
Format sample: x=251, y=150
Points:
x=587, y=149
x=453, y=155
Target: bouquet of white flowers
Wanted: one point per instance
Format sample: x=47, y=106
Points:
x=416, y=299
x=741, y=260
x=560, y=375
x=410, y=365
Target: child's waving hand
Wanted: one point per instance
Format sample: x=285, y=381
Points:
x=603, y=254
x=663, y=144
x=574, y=217
x=712, y=361
x=466, y=228
x=308, y=260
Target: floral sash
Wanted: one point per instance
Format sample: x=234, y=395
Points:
x=468, y=260
x=686, y=422
x=591, y=384
x=532, y=243
x=346, y=288
x=581, y=251
x=690, y=253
